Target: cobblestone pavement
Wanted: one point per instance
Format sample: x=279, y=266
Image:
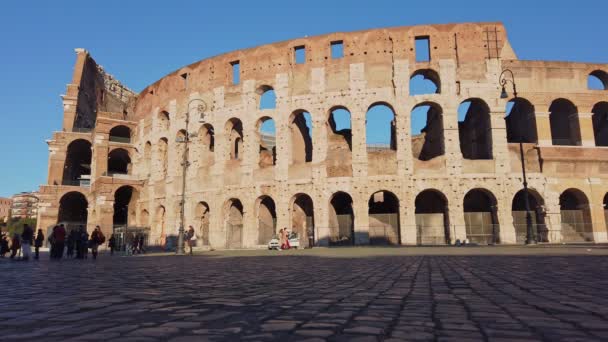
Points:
x=336, y=295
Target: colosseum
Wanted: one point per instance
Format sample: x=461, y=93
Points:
x=195, y=147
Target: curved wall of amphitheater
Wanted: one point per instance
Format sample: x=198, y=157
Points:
x=459, y=178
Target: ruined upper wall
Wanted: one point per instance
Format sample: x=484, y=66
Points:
x=466, y=44
x=93, y=90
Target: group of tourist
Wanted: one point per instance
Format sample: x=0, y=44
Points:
x=60, y=240
x=20, y=245
x=134, y=243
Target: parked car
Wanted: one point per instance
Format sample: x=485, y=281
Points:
x=275, y=243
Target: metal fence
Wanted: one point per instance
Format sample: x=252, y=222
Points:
x=120, y=139
x=234, y=236
x=384, y=229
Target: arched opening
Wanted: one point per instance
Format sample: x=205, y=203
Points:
x=164, y=121
x=77, y=162
x=339, y=143
x=341, y=220
x=302, y=219
x=600, y=123
x=597, y=80
x=125, y=201
x=480, y=217
x=563, y=118
x=144, y=218
x=147, y=155
x=234, y=132
x=267, y=140
x=201, y=213
x=427, y=131
x=475, y=129
x=267, y=219
x=268, y=98
x=73, y=210
x=380, y=129
x=119, y=162
x=163, y=160
x=383, y=212
x=432, y=219
x=576, y=216
x=159, y=225
x=206, y=134
x=234, y=223
x=521, y=121
x=120, y=134
x=537, y=214
x=425, y=81
x=300, y=129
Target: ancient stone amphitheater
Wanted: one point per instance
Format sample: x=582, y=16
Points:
x=119, y=160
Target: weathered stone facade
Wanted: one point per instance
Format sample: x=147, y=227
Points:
x=240, y=189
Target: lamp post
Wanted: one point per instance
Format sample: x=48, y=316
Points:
x=185, y=164
x=504, y=80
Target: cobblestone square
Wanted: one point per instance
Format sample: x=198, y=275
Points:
x=354, y=294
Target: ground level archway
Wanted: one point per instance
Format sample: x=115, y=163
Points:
x=383, y=213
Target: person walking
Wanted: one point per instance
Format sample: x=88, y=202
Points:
x=38, y=243
x=141, y=242
x=129, y=243
x=15, y=245
x=84, y=243
x=112, y=244
x=3, y=245
x=27, y=239
x=58, y=238
x=191, y=238
x=71, y=243
x=97, y=239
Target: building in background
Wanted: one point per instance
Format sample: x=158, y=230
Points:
x=5, y=208
x=25, y=205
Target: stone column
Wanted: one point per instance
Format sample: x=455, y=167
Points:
x=543, y=129
x=586, y=126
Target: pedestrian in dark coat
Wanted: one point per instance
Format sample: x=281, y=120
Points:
x=38, y=243
x=141, y=243
x=112, y=244
x=97, y=239
x=15, y=245
x=72, y=238
x=3, y=245
x=58, y=241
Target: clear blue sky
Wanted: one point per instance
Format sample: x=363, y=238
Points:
x=141, y=41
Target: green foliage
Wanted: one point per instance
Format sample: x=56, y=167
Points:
x=15, y=225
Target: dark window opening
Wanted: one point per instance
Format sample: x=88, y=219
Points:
x=600, y=123
x=119, y=162
x=77, y=162
x=521, y=121
x=120, y=134
x=563, y=118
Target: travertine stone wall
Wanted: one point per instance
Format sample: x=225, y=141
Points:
x=376, y=69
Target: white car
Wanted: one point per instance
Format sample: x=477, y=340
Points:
x=275, y=243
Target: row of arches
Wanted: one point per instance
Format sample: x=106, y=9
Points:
x=427, y=127
x=423, y=82
x=431, y=209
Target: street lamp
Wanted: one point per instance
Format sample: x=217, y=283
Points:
x=185, y=163
x=503, y=80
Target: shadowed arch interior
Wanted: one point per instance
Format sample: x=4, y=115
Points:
x=383, y=212
x=300, y=126
x=119, y=162
x=341, y=220
x=427, y=131
x=521, y=121
x=267, y=219
x=600, y=123
x=475, y=130
x=73, y=209
x=481, y=218
x=432, y=219
x=563, y=118
x=575, y=216
x=537, y=214
x=120, y=133
x=302, y=219
x=77, y=162
x=234, y=223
